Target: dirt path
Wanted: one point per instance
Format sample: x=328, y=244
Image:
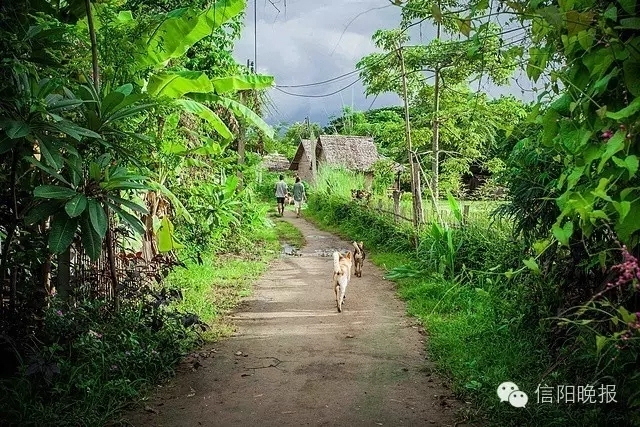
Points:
x=296, y=361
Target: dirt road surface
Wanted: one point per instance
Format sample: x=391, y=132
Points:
x=295, y=360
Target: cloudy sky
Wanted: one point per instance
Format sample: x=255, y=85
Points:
x=310, y=41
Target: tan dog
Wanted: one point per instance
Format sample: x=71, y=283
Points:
x=358, y=257
x=341, y=276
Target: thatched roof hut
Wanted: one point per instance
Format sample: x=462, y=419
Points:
x=302, y=157
x=275, y=162
x=357, y=153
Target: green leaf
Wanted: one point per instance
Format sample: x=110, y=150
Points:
x=454, y=206
x=41, y=211
x=586, y=39
x=238, y=109
x=46, y=169
x=98, y=217
x=627, y=111
x=631, y=68
x=601, y=190
x=74, y=131
x=129, y=204
x=53, y=192
x=50, y=153
x=611, y=13
x=626, y=227
x=626, y=316
x=630, y=23
x=614, y=144
x=76, y=205
x=62, y=231
x=563, y=234
x=601, y=85
x=203, y=111
x=229, y=84
x=622, y=208
x=111, y=101
x=17, y=129
x=436, y=13
x=629, y=6
x=630, y=163
x=91, y=241
x=165, y=236
x=541, y=245
x=177, y=83
x=532, y=265
x=600, y=343
x=180, y=29
x=578, y=21
x=574, y=177
x=133, y=221
x=464, y=26
x=549, y=127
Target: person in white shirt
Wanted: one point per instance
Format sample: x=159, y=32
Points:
x=281, y=192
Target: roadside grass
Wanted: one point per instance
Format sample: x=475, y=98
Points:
x=287, y=233
x=212, y=290
x=482, y=328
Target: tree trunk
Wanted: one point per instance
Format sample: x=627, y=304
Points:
x=12, y=227
x=63, y=283
x=416, y=190
x=435, y=148
x=241, y=155
x=94, y=46
x=112, y=262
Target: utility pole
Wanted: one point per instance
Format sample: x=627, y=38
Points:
x=416, y=191
x=255, y=34
x=241, y=136
x=313, y=150
x=435, y=146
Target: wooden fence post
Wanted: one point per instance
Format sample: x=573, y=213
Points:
x=396, y=204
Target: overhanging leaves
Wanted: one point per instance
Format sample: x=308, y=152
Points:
x=205, y=112
x=238, y=109
x=180, y=29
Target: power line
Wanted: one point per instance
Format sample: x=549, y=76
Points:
x=319, y=96
x=340, y=77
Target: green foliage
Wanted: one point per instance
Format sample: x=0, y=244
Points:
x=84, y=161
x=87, y=361
x=337, y=182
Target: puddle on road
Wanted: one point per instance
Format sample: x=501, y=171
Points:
x=292, y=251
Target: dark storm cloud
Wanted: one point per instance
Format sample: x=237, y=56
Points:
x=310, y=41
x=306, y=43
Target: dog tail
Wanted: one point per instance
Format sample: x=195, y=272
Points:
x=336, y=263
x=355, y=245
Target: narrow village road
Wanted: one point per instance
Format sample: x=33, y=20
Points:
x=295, y=360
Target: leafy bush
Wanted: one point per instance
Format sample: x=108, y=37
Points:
x=86, y=361
x=486, y=326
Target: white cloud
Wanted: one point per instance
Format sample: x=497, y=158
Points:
x=311, y=41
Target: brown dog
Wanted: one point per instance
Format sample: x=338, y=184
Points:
x=341, y=276
x=358, y=257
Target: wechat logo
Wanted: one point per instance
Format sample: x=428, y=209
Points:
x=509, y=392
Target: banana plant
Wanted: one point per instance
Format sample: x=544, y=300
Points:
x=218, y=204
x=193, y=90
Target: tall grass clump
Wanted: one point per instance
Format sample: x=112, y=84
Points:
x=487, y=318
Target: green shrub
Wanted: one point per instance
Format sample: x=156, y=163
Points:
x=86, y=361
